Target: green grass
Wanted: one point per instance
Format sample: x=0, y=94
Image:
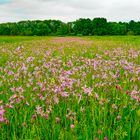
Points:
x=81, y=88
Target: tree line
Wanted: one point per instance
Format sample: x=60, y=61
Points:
x=82, y=26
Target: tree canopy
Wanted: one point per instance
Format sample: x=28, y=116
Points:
x=82, y=26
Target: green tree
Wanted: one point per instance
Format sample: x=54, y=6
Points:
x=63, y=30
x=82, y=26
x=99, y=26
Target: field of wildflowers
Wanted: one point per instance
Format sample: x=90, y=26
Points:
x=70, y=88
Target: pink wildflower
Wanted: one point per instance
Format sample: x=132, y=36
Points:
x=72, y=126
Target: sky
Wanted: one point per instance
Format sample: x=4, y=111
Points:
x=69, y=10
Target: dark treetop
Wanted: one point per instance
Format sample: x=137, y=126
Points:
x=97, y=26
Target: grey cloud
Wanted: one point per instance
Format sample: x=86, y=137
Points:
x=68, y=10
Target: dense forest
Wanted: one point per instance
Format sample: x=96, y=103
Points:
x=97, y=26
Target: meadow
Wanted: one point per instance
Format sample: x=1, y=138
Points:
x=70, y=88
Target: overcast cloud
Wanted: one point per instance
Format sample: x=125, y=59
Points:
x=69, y=10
